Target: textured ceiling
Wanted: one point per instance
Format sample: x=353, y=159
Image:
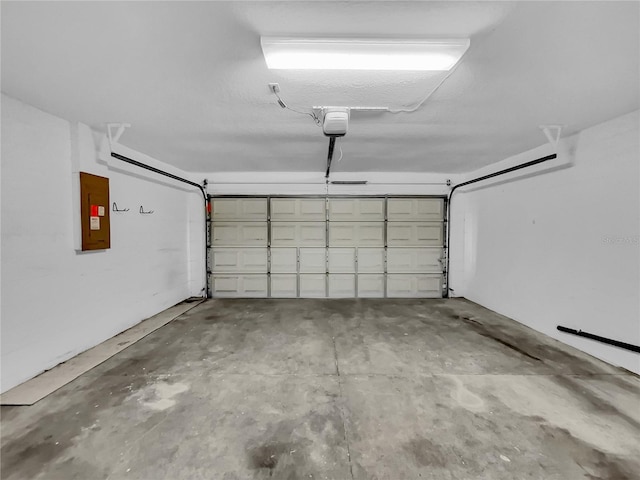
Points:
x=191, y=78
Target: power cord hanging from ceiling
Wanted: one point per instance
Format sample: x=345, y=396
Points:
x=315, y=117
x=424, y=99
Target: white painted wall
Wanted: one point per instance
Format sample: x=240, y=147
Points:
x=560, y=246
x=56, y=300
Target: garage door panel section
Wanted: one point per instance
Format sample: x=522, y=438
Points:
x=414, y=286
x=415, y=209
x=313, y=285
x=298, y=209
x=342, y=286
x=239, y=260
x=234, y=234
x=356, y=209
x=371, y=260
x=342, y=260
x=357, y=234
x=284, y=285
x=409, y=234
x=239, y=209
x=313, y=260
x=371, y=285
x=284, y=260
x=298, y=234
x=239, y=286
x=414, y=260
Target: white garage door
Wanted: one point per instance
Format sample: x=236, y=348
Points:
x=285, y=247
x=239, y=254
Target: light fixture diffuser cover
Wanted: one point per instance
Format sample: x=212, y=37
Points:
x=362, y=54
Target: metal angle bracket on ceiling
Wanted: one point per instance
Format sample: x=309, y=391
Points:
x=552, y=132
x=113, y=138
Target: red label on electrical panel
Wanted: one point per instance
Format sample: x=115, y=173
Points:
x=94, y=211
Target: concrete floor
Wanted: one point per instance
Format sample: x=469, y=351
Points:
x=335, y=389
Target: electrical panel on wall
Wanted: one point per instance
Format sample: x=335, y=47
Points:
x=94, y=211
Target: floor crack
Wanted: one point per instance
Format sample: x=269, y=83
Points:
x=340, y=407
x=335, y=356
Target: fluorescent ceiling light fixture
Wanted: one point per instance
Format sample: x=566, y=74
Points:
x=365, y=54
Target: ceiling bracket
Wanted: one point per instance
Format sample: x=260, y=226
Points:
x=552, y=132
x=113, y=138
